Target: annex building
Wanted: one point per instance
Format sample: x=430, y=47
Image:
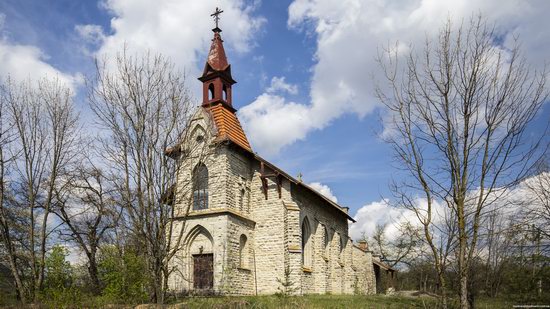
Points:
x=249, y=227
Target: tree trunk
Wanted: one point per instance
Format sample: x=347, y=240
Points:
x=92, y=272
x=464, y=303
x=442, y=289
x=6, y=239
x=13, y=267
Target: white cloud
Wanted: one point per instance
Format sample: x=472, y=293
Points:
x=272, y=122
x=26, y=62
x=278, y=84
x=91, y=33
x=383, y=213
x=349, y=34
x=324, y=190
x=179, y=30
x=371, y=215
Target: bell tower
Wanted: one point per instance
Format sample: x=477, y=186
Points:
x=217, y=94
x=216, y=77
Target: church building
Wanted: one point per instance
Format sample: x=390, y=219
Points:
x=249, y=228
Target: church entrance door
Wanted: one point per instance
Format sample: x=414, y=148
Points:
x=203, y=271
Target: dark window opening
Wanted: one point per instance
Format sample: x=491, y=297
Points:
x=211, y=92
x=200, y=187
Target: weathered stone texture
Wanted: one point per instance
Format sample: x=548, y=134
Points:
x=272, y=228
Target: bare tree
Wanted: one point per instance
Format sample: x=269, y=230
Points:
x=537, y=188
x=399, y=250
x=495, y=242
x=458, y=116
x=44, y=131
x=88, y=203
x=145, y=107
x=7, y=222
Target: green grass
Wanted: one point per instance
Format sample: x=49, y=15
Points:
x=297, y=302
x=312, y=301
x=330, y=301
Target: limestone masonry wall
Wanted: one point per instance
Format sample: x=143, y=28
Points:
x=253, y=239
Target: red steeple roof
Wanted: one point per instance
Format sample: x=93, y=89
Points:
x=217, y=93
x=216, y=57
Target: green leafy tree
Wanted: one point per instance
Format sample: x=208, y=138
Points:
x=59, y=288
x=124, y=275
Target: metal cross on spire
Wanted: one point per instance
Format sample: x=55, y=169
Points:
x=216, y=16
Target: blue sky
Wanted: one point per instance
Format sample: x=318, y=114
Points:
x=305, y=68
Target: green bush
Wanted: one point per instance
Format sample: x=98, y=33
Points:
x=124, y=276
x=59, y=288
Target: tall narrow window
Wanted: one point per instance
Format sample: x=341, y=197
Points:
x=306, y=244
x=224, y=92
x=200, y=187
x=243, y=251
x=211, y=92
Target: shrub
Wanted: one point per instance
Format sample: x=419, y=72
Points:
x=59, y=289
x=124, y=276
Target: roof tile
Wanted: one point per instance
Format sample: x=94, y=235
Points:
x=229, y=127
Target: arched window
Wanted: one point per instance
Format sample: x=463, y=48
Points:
x=306, y=243
x=200, y=187
x=224, y=92
x=243, y=251
x=211, y=92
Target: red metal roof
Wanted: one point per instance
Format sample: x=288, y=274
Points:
x=216, y=57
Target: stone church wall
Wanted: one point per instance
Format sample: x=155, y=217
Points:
x=240, y=264
x=202, y=235
x=269, y=233
x=272, y=228
x=337, y=267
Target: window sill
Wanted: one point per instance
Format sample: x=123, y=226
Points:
x=199, y=210
x=246, y=269
x=325, y=258
x=307, y=269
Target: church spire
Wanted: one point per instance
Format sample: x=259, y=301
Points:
x=216, y=76
x=216, y=91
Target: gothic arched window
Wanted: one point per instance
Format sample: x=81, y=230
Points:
x=306, y=244
x=200, y=187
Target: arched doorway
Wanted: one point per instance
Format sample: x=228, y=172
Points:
x=201, y=257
